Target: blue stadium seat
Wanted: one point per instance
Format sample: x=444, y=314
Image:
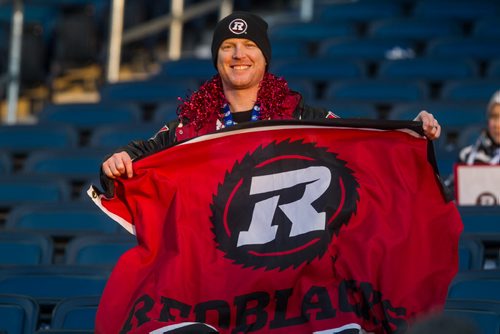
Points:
x=366, y=48
x=19, y=189
x=484, y=315
x=147, y=92
x=25, y=248
x=112, y=137
x=428, y=69
x=479, y=48
x=413, y=28
x=349, y=109
x=377, y=91
x=359, y=11
x=34, y=14
x=469, y=135
x=310, y=32
x=470, y=253
x=473, y=90
x=67, y=219
x=453, y=116
x=457, y=303
x=451, y=9
x=75, y=164
x=19, y=138
x=199, y=69
x=493, y=70
x=18, y=314
x=48, y=284
x=487, y=27
x=290, y=49
x=446, y=158
x=90, y=115
x=164, y=113
x=6, y=163
x=75, y=313
x=307, y=88
x=318, y=69
x=476, y=285
x=98, y=250
x=481, y=221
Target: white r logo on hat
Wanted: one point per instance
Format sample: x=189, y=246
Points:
x=238, y=26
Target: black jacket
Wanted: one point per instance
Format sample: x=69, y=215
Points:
x=166, y=137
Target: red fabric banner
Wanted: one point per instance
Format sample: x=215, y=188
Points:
x=282, y=229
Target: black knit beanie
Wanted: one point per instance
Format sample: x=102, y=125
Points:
x=242, y=25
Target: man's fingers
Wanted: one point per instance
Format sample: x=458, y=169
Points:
x=115, y=170
x=128, y=168
x=117, y=165
x=124, y=164
x=432, y=129
x=438, y=131
x=107, y=170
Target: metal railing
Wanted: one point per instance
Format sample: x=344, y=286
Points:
x=13, y=71
x=173, y=22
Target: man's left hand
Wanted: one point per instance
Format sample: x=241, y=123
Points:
x=432, y=129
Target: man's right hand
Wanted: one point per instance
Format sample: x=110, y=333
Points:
x=118, y=164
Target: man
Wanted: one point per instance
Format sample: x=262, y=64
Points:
x=243, y=90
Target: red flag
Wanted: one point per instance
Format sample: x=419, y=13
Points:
x=282, y=228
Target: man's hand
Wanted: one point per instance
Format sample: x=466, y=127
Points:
x=432, y=129
x=117, y=165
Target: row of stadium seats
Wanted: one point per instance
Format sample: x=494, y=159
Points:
x=176, y=78
x=412, y=27
x=370, y=29
x=352, y=99
x=46, y=288
x=31, y=242
x=60, y=219
x=341, y=81
x=20, y=314
x=367, y=10
x=379, y=48
x=96, y=247
x=67, y=220
x=82, y=163
x=59, y=248
x=473, y=295
x=382, y=16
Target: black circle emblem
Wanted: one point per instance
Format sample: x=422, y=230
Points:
x=486, y=198
x=282, y=204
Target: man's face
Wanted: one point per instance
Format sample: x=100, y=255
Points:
x=494, y=123
x=240, y=63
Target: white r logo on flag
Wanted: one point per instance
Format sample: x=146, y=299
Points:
x=303, y=216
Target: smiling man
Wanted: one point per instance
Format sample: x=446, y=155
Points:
x=243, y=90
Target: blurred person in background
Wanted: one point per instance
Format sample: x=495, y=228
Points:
x=486, y=149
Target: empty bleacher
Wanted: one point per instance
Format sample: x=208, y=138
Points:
x=377, y=59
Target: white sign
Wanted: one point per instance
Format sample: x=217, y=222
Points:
x=477, y=184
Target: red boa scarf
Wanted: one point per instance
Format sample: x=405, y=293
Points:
x=205, y=104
